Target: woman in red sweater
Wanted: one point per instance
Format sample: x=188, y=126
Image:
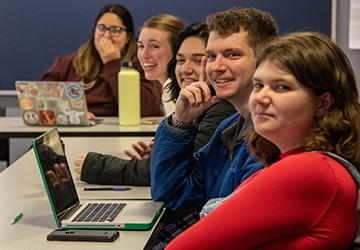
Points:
x=304, y=101
x=97, y=64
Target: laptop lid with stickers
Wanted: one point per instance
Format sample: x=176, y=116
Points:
x=52, y=103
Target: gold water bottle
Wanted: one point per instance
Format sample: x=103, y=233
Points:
x=129, y=95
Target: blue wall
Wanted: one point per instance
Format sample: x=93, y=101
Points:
x=33, y=32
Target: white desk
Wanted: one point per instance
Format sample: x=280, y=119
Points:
x=75, y=146
x=22, y=190
x=14, y=127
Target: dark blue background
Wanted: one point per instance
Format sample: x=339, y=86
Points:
x=33, y=32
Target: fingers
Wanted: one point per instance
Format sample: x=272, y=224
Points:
x=54, y=180
x=91, y=116
x=144, y=146
x=105, y=43
x=79, y=161
x=65, y=172
x=131, y=155
x=141, y=148
x=202, y=76
x=197, y=93
x=78, y=169
x=61, y=172
x=108, y=50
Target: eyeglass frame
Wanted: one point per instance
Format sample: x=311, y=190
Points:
x=117, y=29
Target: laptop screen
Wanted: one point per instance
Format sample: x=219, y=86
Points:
x=55, y=172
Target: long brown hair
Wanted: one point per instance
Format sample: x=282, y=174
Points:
x=320, y=65
x=87, y=62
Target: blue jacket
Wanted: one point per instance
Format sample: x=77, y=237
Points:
x=180, y=178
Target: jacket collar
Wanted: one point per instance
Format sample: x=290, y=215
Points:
x=236, y=133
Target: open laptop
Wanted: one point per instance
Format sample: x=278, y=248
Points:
x=53, y=103
x=69, y=211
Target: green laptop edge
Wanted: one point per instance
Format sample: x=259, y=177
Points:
x=124, y=227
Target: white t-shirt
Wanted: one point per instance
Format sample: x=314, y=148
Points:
x=168, y=107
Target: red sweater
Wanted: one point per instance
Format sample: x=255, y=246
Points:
x=102, y=97
x=304, y=201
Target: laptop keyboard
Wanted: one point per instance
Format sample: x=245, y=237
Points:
x=99, y=212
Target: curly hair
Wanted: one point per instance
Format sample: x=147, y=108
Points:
x=87, y=62
x=320, y=65
x=260, y=25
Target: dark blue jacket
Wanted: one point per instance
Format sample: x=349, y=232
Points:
x=180, y=178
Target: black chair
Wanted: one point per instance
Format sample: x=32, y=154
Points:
x=4, y=150
x=2, y=110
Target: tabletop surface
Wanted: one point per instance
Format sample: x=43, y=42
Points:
x=15, y=127
x=21, y=190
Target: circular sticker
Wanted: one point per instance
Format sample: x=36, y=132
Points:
x=62, y=119
x=30, y=117
x=74, y=91
x=26, y=103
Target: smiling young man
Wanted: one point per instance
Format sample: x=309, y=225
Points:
x=180, y=178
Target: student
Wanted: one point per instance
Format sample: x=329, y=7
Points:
x=178, y=177
x=97, y=64
x=156, y=39
x=184, y=68
x=155, y=42
x=304, y=101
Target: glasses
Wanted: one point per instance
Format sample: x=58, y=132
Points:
x=115, y=31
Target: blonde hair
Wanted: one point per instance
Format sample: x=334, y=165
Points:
x=165, y=22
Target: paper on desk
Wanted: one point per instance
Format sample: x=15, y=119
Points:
x=354, y=24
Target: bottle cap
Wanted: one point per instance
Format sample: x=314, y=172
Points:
x=125, y=64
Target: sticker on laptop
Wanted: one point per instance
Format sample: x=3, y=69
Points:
x=47, y=117
x=74, y=91
x=33, y=89
x=26, y=103
x=31, y=117
x=77, y=104
x=52, y=89
x=62, y=119
x=22, y=90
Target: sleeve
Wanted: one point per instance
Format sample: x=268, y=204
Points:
x=260, y=210
x=172, y=181
x=150, y=98
x=211, y=120
x=177, y=173
x=112, y=170
x=110, y=76
x=150, y=95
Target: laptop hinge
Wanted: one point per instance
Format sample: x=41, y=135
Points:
x=69, y=212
